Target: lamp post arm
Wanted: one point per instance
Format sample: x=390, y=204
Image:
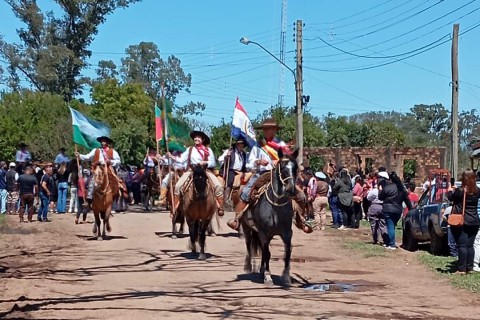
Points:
x=271, y=54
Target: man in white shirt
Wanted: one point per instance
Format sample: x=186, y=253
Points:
x=23, y=155
x=61, y=157
x=151, y=160
x=235, y=160
x=105, y=155
x=199, y=154
x=262, y=159
x=174, y=162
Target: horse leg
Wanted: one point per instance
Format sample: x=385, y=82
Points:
x=192, y=233
x=203, y=226
x=287, y=241
x=96, y=226
x=247, y=265
x=174, y=228
x=182, y=223
x=267, y=277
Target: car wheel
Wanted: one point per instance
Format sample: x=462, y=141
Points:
x=437, y=244
x=410, y=243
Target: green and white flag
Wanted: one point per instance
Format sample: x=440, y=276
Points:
x=86, y=131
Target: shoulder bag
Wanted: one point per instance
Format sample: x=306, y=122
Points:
x=456, y=219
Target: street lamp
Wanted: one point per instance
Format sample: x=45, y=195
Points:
x=299, y=98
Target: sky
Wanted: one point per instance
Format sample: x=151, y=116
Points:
x=358, y=56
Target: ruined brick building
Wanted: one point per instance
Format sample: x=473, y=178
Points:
x=392, y=158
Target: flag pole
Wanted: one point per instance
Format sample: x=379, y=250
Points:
x=227, y=165
x=165, y=135
x=80, y=173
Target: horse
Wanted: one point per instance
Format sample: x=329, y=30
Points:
x=152, y=188
x=106, y=191
x=272, y=215
x=199, y=205
x=179, y=216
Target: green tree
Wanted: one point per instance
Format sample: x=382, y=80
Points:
x=144, y=65
x=53, y=50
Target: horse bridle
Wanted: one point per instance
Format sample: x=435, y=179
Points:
x=102, y=192
x=283, y=181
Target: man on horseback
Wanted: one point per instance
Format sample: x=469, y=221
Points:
x=150, y=162
x=262, y=159
x=105, y=155
x=234, y=162
x=174, y=162
x=199, y=154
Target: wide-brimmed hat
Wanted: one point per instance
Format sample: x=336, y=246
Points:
x=320, y=175
x=107, y=139
x=22, y=145
x=383, y=174
x=240, y=140
x=269, y=123
x=203, y=135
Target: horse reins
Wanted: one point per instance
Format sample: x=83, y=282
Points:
x=283, y=182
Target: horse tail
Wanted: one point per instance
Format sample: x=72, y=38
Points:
x=255, y=244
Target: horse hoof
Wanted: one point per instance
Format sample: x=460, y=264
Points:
x=174, y=236
x=180, y=232
x=286, y=281
x=202, y=257
x=268, y=280
x=99, y=238
x=104, y=237
x=94, y=230
x=213, y=234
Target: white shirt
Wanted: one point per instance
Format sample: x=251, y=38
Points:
x=176, y=162
x=22, y=156
x=428, y=183
x=257, y=153
x=196, y=157
x=238, y=159
x=115, y=161
x=148, y=161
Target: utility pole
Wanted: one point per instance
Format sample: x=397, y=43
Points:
x=455, y=101
x=283, y=35
x=299, y=91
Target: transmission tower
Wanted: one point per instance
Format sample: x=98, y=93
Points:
x=283, y=34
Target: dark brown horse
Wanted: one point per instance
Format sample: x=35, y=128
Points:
x=106, y=191
x=152, y=188
x=199, y=204
x=179, y=216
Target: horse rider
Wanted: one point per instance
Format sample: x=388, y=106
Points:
x=105, y=155
x=262, y=159
x=199, y=154
x=236, y=159
x=150, y=162
x=177, y=165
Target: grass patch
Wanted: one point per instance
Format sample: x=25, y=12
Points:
x=446, y=266
x=368, y=250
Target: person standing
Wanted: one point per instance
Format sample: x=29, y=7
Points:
x=46, y=191
x=61, y=157
x=320, y=200
x=393, y=196
x=62, y=179
x=357, y=202
x=73, y=182
x=465, y=234
x=375, y=211
x=343, y=189
x=12, y=188
x=28, y=189
x=3, y=187
x=23, y=155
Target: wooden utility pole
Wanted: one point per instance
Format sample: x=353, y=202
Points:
x=454, y=162
x=299, y=91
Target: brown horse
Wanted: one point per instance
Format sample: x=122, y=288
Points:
x=105, y=192
x=152, y=188
x=199, y=204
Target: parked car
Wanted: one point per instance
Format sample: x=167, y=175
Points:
x=426, y=222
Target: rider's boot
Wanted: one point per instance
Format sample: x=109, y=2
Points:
x=163, y=197
x=235, y=223
x=220, y=205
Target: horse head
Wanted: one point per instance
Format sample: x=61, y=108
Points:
x=199, y=178
x=99, y=176
x=285, y=174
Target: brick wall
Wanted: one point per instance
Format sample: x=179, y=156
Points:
x=391, y=158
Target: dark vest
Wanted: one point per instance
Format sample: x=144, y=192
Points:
x=3, y=181
x=11, y=183
x=232, y=160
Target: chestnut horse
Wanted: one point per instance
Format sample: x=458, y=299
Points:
x=105, y=192
x=199, y=205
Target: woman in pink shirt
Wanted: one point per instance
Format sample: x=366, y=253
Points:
x=357, y=202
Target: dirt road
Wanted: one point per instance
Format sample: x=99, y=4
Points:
x=55, y=271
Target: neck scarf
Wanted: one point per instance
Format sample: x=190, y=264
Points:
x=203, y=151
x=271, y=146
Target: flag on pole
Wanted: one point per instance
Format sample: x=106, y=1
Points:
x=86, y=131
x=158, y=124
x=242, y=126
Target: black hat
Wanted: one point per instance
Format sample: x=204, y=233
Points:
x=205, y=138
x=105, y=138
x=62, y=149
x=239, y=140
x=22, y=145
